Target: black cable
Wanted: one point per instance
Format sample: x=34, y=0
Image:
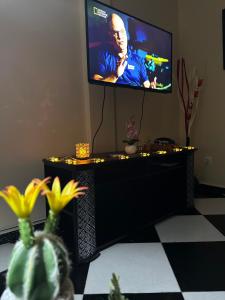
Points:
x=103, y=105
x=142, y=113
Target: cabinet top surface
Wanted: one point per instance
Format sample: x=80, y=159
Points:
x=112, y=157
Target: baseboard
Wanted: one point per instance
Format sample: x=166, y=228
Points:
x=209, y=191
x=212, y=185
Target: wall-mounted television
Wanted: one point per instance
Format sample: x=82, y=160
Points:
x=125, y=51
x=223, y=24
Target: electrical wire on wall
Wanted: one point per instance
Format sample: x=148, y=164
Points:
x=115, y=119
x=142, y=113
x=100, y=124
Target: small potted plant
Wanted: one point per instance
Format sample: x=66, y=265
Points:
x=39, y=266
x=131, y=136
x=115, y=293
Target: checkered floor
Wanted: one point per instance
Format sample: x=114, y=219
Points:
x=181, y=258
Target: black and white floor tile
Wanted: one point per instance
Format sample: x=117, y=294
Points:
x=181, y=258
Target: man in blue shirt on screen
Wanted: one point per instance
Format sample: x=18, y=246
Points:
x=117, y=63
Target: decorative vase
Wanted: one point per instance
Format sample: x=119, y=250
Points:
x=131, y=149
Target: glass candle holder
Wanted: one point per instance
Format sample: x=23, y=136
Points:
x=82, y=150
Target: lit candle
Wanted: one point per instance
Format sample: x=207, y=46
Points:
x=82, y=150
x=97, y=160
x=54, y=159
x=189, y=147
x=161, y=152
x=177, y=149
x=144, y=154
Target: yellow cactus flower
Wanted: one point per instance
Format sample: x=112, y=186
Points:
x=58, y=199
x=22, y=205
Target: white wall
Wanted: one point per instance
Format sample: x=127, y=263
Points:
x=41, y=89
x=200, y=32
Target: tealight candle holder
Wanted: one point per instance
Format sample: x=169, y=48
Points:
x=54, y=159
x=161, y=152
x=82, y=150
x=176, y=149
x=189, y=147
x=144, y=154
x=98, y=160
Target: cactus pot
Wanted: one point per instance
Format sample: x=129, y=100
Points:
x=67, y=293
x=39, y=272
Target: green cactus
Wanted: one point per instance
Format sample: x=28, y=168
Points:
x=26, y=232
x=51, y=222
x=115, y=293
x=39, y=265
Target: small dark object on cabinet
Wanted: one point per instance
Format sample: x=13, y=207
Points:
x=164, y=141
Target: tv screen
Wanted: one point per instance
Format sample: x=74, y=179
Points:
x=125, y=51
x=223, y=21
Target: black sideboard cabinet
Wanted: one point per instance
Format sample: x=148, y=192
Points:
x=124, y=195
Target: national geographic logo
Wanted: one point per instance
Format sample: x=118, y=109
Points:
x=99, y=12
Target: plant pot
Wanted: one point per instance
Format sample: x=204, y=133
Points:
x=66, y=292
x=131, y=149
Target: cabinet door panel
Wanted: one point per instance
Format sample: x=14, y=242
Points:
x=112, y=211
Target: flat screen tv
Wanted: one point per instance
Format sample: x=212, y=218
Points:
x=223, y=21
x=125, y=51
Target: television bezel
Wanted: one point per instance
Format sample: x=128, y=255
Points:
x=105, y=83
x=223, y=33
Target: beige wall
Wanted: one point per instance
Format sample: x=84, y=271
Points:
x=200, y=32
x=41, y=89
x=47, y=105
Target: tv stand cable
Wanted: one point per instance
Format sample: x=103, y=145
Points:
x=100, y=124
x=142, y=113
